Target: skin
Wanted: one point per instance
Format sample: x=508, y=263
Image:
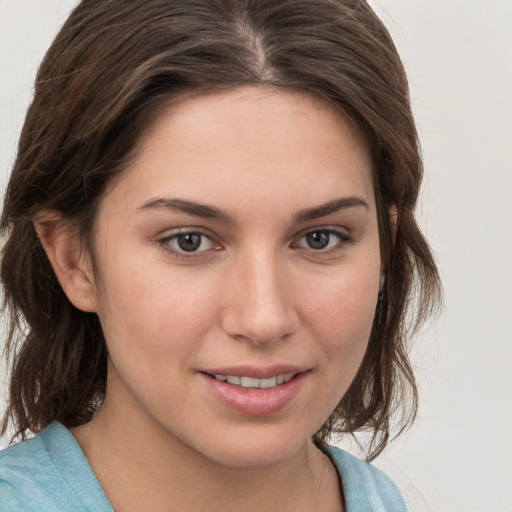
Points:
x=255, y=292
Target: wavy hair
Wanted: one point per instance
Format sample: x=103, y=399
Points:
x=114, y=65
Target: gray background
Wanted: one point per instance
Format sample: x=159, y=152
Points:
x=458, y=455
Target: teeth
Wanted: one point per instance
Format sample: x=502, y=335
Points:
x=232, y=379
x=268, y=383
x=250, y=382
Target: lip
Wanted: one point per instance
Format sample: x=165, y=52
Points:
x=263, y=372
x=255, y=401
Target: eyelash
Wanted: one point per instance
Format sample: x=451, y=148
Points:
x=167, y=243
x=343, y=241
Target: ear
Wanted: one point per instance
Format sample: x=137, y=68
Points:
x=70, y=262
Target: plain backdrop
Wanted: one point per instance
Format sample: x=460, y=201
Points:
x=458, y=455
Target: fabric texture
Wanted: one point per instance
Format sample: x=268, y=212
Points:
x=49, y=473
x=366, y=488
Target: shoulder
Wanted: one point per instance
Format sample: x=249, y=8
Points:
x=47, y=473
x=23, y=467
x=366, y=487
x=29, y=478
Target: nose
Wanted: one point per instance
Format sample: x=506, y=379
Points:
x=259, y=306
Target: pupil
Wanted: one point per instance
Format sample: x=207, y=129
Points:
x=317, y=239
x=189, y=242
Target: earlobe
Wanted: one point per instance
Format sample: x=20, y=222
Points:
x=70, y=262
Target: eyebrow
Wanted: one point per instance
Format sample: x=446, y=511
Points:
x=191, y=208
x=211, y=212
x=331, y=207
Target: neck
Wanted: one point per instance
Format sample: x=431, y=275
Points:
x=143, y=468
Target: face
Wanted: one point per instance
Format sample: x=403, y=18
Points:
x=237, y=274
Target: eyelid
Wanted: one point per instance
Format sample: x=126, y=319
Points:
x=165, y=242
x=345, y=239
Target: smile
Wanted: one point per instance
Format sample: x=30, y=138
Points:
x=255, y=392
x=250, y=382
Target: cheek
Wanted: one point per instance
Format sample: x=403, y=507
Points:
x=146, y=312
x=344, y=315
x=346, y=300
x=341, y=317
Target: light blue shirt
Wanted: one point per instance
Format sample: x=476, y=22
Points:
x=49, y=473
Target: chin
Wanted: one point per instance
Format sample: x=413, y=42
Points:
x=262, y=448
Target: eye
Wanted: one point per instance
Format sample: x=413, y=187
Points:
x=323, y=240
x=188, y=242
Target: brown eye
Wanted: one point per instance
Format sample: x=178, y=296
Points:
x=324, y=240
x=189, y=242
x=318, y=239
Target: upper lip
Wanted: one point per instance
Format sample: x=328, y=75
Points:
x=256, y=372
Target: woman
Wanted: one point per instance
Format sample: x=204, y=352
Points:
x=210, y=257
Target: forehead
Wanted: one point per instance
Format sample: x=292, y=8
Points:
x=255, y=142
x=253, y=112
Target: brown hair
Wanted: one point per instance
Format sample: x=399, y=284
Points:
x=111, y=68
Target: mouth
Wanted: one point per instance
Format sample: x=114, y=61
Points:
x=253, y=391
x=254, y=383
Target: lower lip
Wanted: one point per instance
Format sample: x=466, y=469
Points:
x=255, y=401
